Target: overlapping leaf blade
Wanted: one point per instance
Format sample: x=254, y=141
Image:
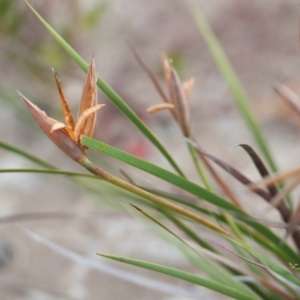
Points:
x=284, y=252
x=215, y=286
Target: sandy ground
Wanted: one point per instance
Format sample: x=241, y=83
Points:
x=261, y=40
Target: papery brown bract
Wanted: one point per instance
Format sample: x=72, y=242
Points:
x=60, y=137
x=88, y=100
x=67, y=136
x=180, y=102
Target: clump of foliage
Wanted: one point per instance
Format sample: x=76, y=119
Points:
x=268, y=273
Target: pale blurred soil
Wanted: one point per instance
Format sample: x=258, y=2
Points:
x=261, y=40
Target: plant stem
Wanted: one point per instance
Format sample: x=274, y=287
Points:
x=86, y=163
x=199, y=168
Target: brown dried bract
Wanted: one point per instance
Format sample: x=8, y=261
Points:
x=67, y=136
x=176, y=98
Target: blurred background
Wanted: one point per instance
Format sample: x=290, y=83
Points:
x=261, y=40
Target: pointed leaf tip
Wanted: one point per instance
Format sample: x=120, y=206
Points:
x=137, y=208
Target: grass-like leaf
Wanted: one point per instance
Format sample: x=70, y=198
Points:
x=271, y=265
x=234, y=84
x=26, y=155
x=50, y=172
x=215, y=286
x=111, y=94
x=175, y=220
x=158, y=201
x=115, y=273
x=257, y=236
x=209, y=266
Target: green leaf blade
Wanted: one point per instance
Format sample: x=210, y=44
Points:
x=215, y=286
x=26, y=155
x=234, y=84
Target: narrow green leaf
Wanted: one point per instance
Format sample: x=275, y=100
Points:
x=26, y=155
x=272, y=265
x=111, y=94
x=210, y=267
x=158, y=201
x=50, y=172
x=291, y=282
x=88, y=185
x=189, y=232
x=215, y=286
x=179, y=224
x=200, y=168
x=234, y=84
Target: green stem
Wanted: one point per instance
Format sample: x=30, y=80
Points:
x=153, y=198
x=233, y=225
x=199, y=168
x=209, y=187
